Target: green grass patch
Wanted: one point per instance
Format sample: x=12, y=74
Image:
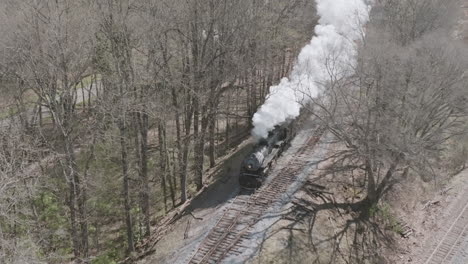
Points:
x=384, y=213
x=8, y=112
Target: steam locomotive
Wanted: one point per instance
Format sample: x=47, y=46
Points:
x=255, y=167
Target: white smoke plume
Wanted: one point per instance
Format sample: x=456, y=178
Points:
x=331, y=51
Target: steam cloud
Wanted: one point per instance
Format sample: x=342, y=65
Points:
x=330, y=52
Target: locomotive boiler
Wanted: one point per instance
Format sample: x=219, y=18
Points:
x=255, y=167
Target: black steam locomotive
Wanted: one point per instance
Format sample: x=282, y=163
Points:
x=255, y=167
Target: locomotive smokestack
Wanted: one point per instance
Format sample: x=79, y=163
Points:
x=331, y=52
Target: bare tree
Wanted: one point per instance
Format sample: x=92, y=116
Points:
x=18, y=186
x=167, y=82
x=52, y=56
x=394, y=115
x=407, y=20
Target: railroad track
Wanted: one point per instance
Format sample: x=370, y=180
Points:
x=233, y=228
x=452, y=246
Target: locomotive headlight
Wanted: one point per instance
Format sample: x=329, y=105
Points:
x=249, y=166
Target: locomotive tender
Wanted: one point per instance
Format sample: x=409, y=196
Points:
x=255, y=167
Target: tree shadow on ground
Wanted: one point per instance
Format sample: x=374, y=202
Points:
x=317, y=229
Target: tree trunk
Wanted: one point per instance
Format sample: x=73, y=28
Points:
x=73, y=222
x=199, y=151
x=166, y=167
x=126, y=192
x=40, y=113
x=78, y=223
x=90, y=92
x=83, y=96
x=143, y=127
x=162, y=161
x=371, y=184
x=185, y=150
x=180, y=150
x=171, y=179
x=212, y=135
x=83, y=223
x=83, y=212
